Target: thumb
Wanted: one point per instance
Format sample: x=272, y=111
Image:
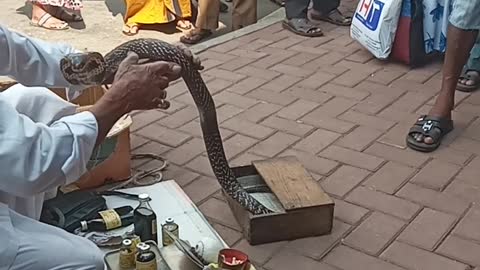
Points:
x=131, y=59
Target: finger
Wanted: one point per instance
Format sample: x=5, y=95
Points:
x=170, y=70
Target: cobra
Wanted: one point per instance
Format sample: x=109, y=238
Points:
x=91, y=68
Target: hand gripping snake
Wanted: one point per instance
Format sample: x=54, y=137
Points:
x=91, y=68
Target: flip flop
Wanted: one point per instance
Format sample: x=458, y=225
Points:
x=195, y=36
x=302, y=27
x=428, y=126
x=181, y=28
x=334, y=17
x=469, y=76
x=45, y=17
x=129, y=32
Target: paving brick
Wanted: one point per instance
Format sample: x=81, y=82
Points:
x=211, y=63
x=227, y=46
x=351, y=157
x=315, y=42
x=398, y=115
x=273, y=58
x=201, y=165
x=351, y=78
x=365, y=68
x=281, y=83
x=383, y=202
x=316, y=80
x=275, y=144
x=466, y=145
x=437, y=200
x=300, y=59
x=328, y=59
x=201, y=188
x=288, y=126
x=237, y=63
x=181, y=175
x=286, y=42
x=248, y=53
x=246, y=85
x=374, y=103
x=468, y=226
x=297, y=109
x=228, y=235
x=347, y=212
x=315, y=247
x=180, y=117
x=343, y=180
x=436, y=174
x=451, y=155
x=149, y=147
x=415, y=87
x=137, y=141
x=419, y=75
x=359, y=139
x=259, y=112
x=361, y=56
x=272, y=97
x=144, y=118
x=332, y=108
x=427, y=229
x=374, y=233
x=461, y=249
x=356, y=260
x=216, y=85
x=220, y=212
x=164, y=135
x=210, y=54
x=247, y=128
x=186, y=152
x=313, y=163
x=308, y=94
x=235, y=99
x=410, y=102
x=237, y=144
x=390, y=177
x=292, y=70
x=386, y=76
x=287, y=260
x=469, y=173
x=405, y=156
x=342, y=91
x=367, y=120
x=183, y=100
x=256, y=44
x=259, y=253
x=226, y=112
x=245, y=159
x=317, y=141
x=259, y=72
x=315, y=50
x=414, y=258
x=396, y=136
x=225, y=74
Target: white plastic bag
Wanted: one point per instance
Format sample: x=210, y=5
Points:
x=374, y=25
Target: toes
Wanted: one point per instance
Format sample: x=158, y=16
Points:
x=428, y=140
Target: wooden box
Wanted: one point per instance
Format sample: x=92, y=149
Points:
x=303, y=208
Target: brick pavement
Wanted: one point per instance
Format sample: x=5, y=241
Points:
x=345, y=116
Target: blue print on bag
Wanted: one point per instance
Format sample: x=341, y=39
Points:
x=369, y=13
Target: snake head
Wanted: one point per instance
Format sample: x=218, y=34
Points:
x=83, y=68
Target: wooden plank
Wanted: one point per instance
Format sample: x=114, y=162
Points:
x=291, y=183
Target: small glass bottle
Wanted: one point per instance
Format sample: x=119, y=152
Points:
x=171, y=227
x=145, y=220
x=146, y=259
x=127, y=256
x=135, y=240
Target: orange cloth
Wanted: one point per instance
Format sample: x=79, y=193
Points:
x=156, y=11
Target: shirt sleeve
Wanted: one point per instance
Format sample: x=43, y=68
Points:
x=35, y=157
x=34, y=62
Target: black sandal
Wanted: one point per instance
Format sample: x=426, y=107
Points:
x=334, y=17
x=467, y=75
x=302, y=27
x=428, y=126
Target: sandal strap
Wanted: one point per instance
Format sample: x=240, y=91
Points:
x=44, y=18
x=428, y=125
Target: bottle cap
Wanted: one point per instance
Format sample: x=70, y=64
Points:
x=127, y=242
x=144, y=247
x=169, y=220
x=143, y=196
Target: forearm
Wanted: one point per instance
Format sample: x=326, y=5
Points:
x=33, y=62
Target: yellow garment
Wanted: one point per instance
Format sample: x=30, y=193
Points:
x=156, y=11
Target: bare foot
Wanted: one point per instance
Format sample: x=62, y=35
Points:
x=43, y=19
x=184, y=24
x=441, y=109
x=130, y=30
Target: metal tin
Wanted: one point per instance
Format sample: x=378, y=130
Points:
x=171, y=227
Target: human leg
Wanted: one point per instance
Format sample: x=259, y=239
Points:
x=296, y=19
x=327, y=10
x=42, y=246
x=428, y=131
x=470, y=78
x=207, y=22
x=41, y=18
x=244, y=13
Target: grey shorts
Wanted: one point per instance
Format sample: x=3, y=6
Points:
x=465, y=14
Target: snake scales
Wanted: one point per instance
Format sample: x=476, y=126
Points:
x=91, y=68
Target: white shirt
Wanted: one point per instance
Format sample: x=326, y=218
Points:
x=36, y=157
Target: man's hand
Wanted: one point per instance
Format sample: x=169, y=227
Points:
x=135, y=87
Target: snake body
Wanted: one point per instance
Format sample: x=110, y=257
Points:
x=92, y=68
